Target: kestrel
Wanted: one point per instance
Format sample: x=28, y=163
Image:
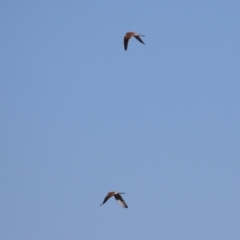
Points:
x=117, y=197
x=129, y=35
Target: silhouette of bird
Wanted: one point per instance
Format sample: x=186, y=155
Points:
x=117, y=197
x=129, y=35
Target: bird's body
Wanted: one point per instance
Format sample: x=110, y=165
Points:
x=117, y=197
x=129, y=35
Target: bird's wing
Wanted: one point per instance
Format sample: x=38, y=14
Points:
x=105, y=199
x=139, y=39
x=125, y=40
x=120, y=200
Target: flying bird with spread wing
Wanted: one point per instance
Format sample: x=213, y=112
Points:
x=117, y=197
x=129, y=35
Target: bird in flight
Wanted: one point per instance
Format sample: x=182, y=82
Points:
x=129, y=35
x=117, y=197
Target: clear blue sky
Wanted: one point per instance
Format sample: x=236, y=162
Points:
x=80, y=116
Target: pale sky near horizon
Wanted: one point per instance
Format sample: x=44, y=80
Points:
x=80, y=117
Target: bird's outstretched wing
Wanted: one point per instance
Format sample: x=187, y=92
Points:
x=139, y=39
x=125, y=40
x=120, y=200
x=105, y=199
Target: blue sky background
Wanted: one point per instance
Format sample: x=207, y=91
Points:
x=80, y=117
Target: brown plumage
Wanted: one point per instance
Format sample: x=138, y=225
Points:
x=129, y=35
x=117, y=197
